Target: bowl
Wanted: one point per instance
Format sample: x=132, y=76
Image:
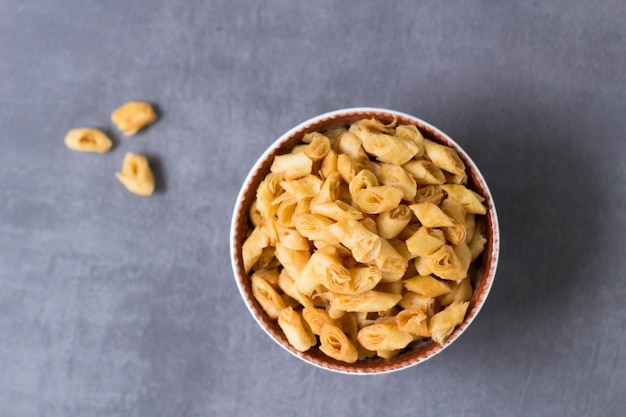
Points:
x=487, y=262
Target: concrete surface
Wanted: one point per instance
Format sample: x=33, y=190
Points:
x=118, y=305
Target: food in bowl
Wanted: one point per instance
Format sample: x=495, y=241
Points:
x=363, y=240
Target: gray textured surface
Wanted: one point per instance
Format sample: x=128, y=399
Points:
x=117, y=305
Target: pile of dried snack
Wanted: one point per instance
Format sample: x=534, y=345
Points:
x=362, y=240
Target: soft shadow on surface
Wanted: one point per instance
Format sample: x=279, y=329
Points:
x=546, y=188
x=160, y=114
x=158, y=171
x=536, y=339
x=548, y=229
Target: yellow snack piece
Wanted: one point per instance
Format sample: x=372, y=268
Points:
x=136, y=175
x=85, y=139
x=133, y=116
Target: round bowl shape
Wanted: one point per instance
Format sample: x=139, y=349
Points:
x=419, y=353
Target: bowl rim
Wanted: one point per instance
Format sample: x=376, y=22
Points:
x=494, y=233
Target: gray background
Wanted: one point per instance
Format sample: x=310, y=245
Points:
x=117, y=305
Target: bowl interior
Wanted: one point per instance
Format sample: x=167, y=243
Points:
x=418, y=352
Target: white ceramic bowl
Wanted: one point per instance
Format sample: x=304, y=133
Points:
x=416, y=354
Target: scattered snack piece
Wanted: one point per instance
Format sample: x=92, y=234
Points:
x=85, y=139
x=374, y=231
x=133, y=116
x=136, y=175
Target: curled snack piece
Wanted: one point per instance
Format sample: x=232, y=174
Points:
x=369, y=301
x=335, y=343
x=413, y=321
x=267, y=297
x=85, y=139
x=297, y=334
x=136, y=175
x=133, y=116
x=383, y=336
x=442, y=324
x=316, y=318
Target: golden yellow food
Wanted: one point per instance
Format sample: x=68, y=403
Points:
x=133, y=116
x=361, y=241
x=85, y=139
x=136, y=175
